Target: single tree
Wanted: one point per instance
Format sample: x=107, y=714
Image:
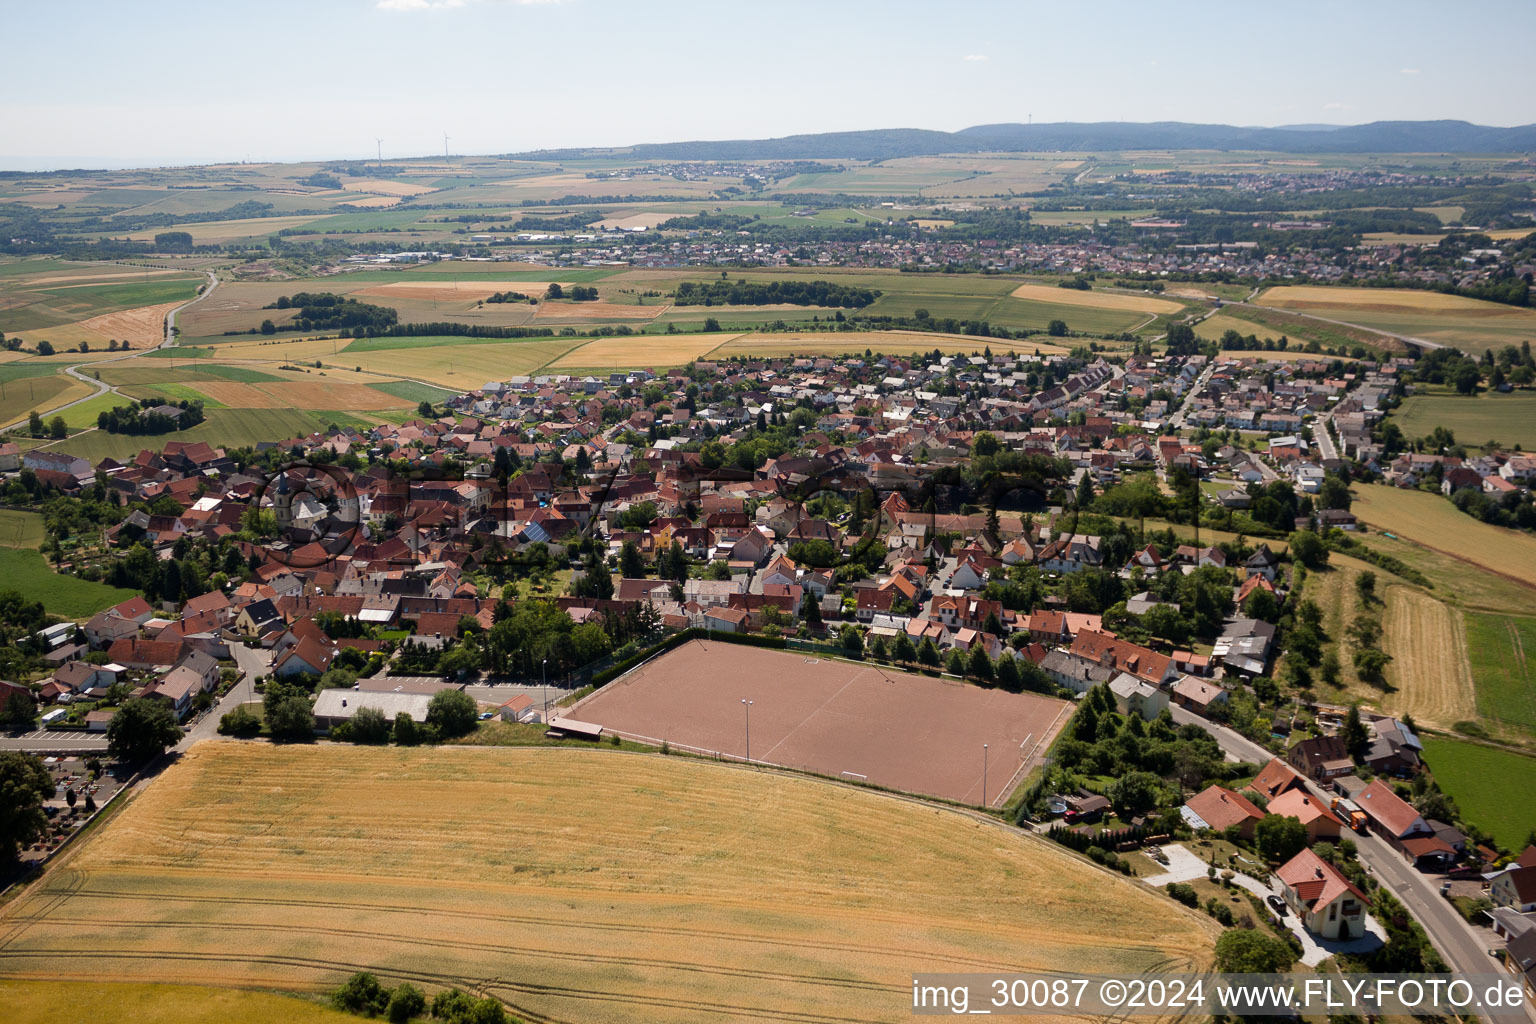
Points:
x=453, y=712
x=142, y=728
x=24, y=785
x=1250, y=951
x=288, y=711
x=1356, y=738
x=1279, y=838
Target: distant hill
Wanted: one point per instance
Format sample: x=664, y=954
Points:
x=884, y=144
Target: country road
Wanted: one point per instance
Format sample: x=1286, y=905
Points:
x=100, y=388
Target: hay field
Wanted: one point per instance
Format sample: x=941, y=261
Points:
x=49, y=1002
x=1432, y=521
x=1095, y=299
x=638, y=352
x=1428, y=644
x=582, y=885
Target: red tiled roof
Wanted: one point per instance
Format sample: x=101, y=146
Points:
x=1316, y=882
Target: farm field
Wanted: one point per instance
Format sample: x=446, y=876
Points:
x=48, y=1002
x=1491, y=786
x=1469, y=324
x=1508, y=419
x=1428, y=645
x=893, y=343
x=1431, y=520
x=73, y=598
x=222, y=428
x=39, y=306
x=655, y=350
x=835, y=718
x=692, y=904
x=1096, y=299
x=22, y=396
x=1503, y=655
x=20, y=529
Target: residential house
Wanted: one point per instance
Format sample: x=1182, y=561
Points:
x=1322, y=898
x=1217, y=808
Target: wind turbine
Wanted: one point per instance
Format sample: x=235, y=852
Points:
x=381, y=150
x=445, y=147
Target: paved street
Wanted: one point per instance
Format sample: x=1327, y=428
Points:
x=1464, y=947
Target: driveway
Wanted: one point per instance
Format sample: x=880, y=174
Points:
x=1184, y=865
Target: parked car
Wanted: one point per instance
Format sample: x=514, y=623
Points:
x=486, y=715
x=1276, y=904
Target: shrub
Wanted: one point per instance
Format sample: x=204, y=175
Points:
x=405, y=1002
x=239, y=722
x=453, y=712
x=362, y=994
x=1185, y=894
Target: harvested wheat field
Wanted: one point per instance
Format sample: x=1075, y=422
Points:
x=386, y=187
x=325, y=394
x=469, y=291
x=597, y=310
x=894, y=343
x=144, y=326
x=1098, y=300
x=235, y=395
x=575, y=885
x=1316, y=296
x=648, y=351
x=1428, y=644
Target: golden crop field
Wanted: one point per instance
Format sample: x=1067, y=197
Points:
x=214, y=232
x=1432, y=521
x=646, y=351
x=1471, y=325
x=573, y=884
x=1428, y=644
x=1317, y=296
x=50, y=1002
x=894, y=343
x=1096, y=299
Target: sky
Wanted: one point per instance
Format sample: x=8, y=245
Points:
x=105, y=83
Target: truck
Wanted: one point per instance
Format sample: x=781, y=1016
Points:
x=1350, y=814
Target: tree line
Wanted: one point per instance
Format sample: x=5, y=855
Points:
x=726, y=292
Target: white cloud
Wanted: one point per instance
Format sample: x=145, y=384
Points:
x=448, y=5
x=1409, y=71
x=975, y=58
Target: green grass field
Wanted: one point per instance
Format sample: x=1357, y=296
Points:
x=1502, y=649
x=163, y=373
x=28, y=572
x=78, y=417
x=1508, y=419
x=1492, y=787
x=223, y=428
x=20, y=529
x=52, y=304
x=414, y=391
